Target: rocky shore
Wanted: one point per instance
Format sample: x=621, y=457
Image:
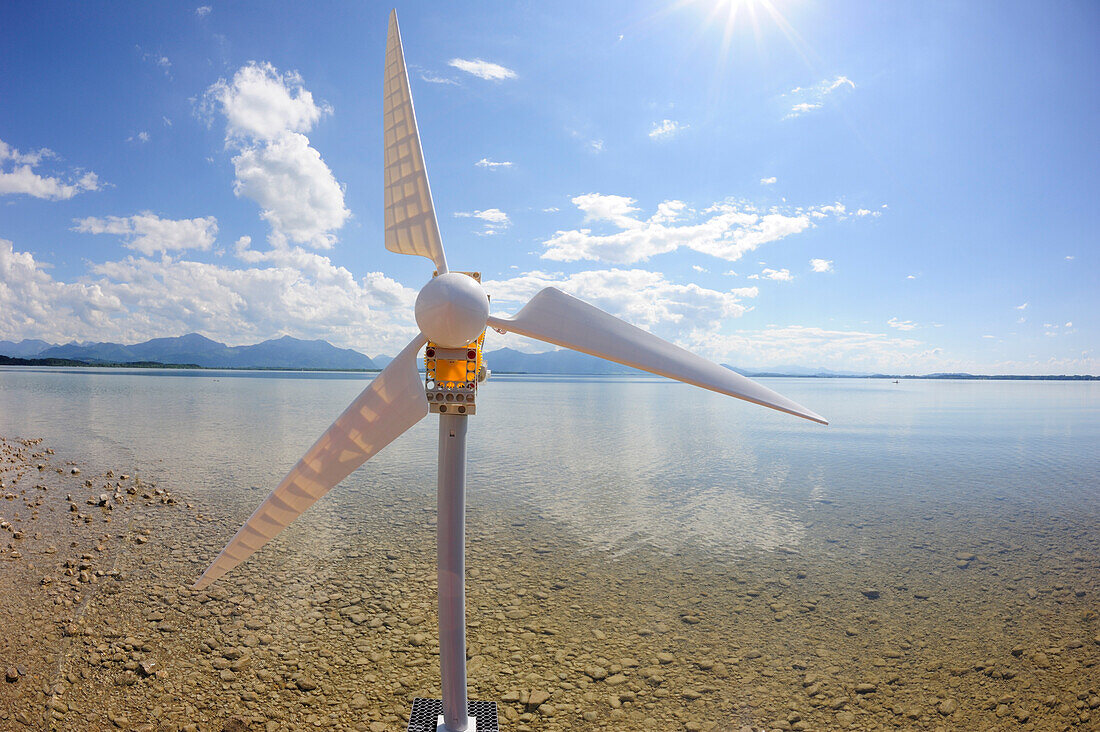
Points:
x=940, y=621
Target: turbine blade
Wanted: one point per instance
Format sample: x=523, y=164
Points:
x=554, y=317
x=392, y=403
x=411, y=226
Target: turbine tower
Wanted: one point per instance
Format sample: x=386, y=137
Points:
x=452, y=312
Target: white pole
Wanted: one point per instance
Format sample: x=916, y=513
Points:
x=450, y=547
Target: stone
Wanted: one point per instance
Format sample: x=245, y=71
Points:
x=235, y=724
x=12, y=674
x=865, y=687
x=870, y=593
x=596, y=672
x=947, y=707
x=537, y=698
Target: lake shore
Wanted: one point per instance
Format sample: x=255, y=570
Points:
x=921, y=617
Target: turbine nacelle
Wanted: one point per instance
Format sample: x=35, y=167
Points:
x=452, y=309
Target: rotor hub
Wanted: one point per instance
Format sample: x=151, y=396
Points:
x=452, y=309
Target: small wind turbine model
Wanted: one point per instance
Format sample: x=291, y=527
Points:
x=452, y=312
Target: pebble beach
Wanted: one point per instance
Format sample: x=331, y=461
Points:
x=874, y=622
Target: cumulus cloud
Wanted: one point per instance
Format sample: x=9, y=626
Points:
x=665, y=129
x=821, y=265
x=203, y=10
x=297, y=192
x=492, y=164
x=259, y=103
x=1023, y=306
x=494, y=219
x=17, y=176
x=779, y=275
x=149, y=234
x=287, y=291
x=768, y=181
x=726, y=230
x=267, y=115
x=809, y=99
x=483, y=69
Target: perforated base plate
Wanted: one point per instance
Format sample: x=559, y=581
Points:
x=425, y=712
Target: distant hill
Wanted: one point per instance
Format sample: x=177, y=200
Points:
x=278, y=353
x=26, y=348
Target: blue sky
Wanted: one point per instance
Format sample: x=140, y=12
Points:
x=905, y=187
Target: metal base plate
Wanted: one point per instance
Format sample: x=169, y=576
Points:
x=425, y=715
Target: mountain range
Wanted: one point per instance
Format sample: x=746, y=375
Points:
x=294, y=353
x=277, y=353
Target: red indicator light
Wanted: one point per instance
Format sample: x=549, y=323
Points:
x=471, y=354
x=430, y=352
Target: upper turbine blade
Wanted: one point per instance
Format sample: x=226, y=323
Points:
x=554, y=317
x=411, y=226
x=392, y=403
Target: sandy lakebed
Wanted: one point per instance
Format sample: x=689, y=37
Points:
x=939, y=621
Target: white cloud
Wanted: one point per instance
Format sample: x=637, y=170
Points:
x=492, y=164
x=808, y=99
x=768, y=181
x=267, y=115
x=17, y=176
x=901, y=324
x=697, y=268
x=726, y=230
x=1069, y=257
x=436, y=79
x=259, y=103
x=483, y=69
x=1022, y=307
x=495, y=220
x=779, y=275
x=817, y=347
x=1069, y=324
x=149, y=234
x=665, y=129
x=298, y=195
x=167, y=122
x=203, y=10
x=156, y=59
x=821, y=265
x=291, y=292
x=595, y=145
x=139, y=137
x=911, y=277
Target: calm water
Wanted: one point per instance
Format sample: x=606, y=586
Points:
x=928, y=559
x=621, y=462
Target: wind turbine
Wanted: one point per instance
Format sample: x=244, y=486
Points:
x=452, y=312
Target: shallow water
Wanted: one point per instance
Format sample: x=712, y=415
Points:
x=668, y=519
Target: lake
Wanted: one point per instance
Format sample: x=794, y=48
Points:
x=938, y=541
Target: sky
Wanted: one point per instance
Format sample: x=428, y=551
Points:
x=904, y=187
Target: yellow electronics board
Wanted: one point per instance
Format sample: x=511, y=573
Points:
x=453, y=373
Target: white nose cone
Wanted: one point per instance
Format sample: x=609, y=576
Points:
x=452, y=309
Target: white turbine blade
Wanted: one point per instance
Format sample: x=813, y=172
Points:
x=554, y=317
x=392, y=403
x=411, y=226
